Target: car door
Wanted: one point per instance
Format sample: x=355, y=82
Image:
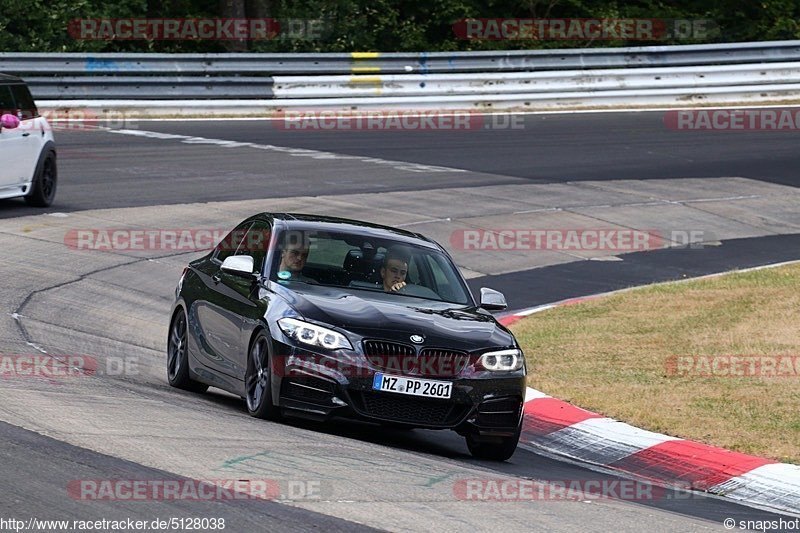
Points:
x=12, y=142
x=230, y=306
x=30, y=129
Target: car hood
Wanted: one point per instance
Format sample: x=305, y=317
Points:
x=378, y=315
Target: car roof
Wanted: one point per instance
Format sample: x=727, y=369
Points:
x=303, y=221
x=8, y=78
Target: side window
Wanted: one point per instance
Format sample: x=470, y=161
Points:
x=6, y=101
x=327, y=252
x=440, y=279
x=231, y=243
x=255, y=244
x=24, y=101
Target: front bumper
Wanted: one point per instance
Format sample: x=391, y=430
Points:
x=482, y=402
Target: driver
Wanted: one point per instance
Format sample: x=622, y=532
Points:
x=293, y=260
x=395, y=269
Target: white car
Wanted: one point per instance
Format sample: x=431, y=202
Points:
x=27, y=149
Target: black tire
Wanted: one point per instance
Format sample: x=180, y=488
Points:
x=258, y=380
x=178, y=356
x=45, y=182
x=494, y=451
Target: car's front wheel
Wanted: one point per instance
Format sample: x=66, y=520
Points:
x=496, y=449
x=258, y=380
x=43, y=189
x=178, y=356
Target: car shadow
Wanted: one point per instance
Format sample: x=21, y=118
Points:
x=16, y=207
x=526, y=463
x=414, y=440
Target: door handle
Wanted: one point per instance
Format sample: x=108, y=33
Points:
x=26, y=134
x=217, y=277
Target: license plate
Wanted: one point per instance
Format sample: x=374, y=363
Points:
x=427, y=388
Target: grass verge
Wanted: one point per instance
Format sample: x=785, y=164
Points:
x=714, y=360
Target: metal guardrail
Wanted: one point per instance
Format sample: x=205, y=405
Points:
x=536, y=82
x=525, y=75
x=398, y=63
x=108, y=87
x=156, y=87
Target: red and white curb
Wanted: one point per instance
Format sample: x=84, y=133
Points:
x=562, y=429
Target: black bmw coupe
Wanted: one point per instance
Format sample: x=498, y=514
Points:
x=320, y=317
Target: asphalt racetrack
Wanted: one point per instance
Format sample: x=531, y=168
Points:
x=736, y=191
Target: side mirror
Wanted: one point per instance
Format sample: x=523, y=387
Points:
x=239, y=265
x=9, y=121
x=492, y=300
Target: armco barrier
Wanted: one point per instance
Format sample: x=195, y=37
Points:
x=534, y=79
x=146, y=88
x=536, y=82
x=659, y=98
x=248, y=88
x=399, y=63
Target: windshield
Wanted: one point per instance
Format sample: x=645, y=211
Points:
x=366, y=263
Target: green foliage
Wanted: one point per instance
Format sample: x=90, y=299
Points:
x=385, y=25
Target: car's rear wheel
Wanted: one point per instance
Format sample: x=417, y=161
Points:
x=43, y=189
x=178, y=356
x=258, y=380
x=497, y=449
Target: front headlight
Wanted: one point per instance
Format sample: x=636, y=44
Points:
x=313, y=335
x=502, y=360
